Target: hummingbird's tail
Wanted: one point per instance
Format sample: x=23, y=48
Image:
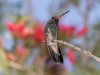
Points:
x=56, y=58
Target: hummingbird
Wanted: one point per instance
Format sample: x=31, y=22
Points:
x=51, y=33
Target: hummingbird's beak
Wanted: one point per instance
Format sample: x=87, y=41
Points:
x=58, y=17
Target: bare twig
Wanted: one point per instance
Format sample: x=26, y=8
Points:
x=95, y=41
x=30, y=9
x=22, y=68
x=92, y=47
x=79, y=49
x=51, y=8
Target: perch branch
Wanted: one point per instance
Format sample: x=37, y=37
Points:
x=79, y=49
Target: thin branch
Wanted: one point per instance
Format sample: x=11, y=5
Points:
x=90, y=4
x=92, y=47
x=80, y=11
x=51, y=8
x=22, y=68
x=95, y=41
x=79, y=49
x=30, y=8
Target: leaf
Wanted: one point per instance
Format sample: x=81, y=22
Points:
x=12, y=16
x=75, y=2
x=96, y=26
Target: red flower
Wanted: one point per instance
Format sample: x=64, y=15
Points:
x=68, y=30
x=15, y=28
x=38, y=34
x=82, y=31
x=25, y=32
x=71, y=55
x=62, y=26
x=10, y=56
x=21, y=51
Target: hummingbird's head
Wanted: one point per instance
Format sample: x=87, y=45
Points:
x=54, y=20
x=58, y=17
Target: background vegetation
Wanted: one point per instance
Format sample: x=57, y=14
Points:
x=22, y=50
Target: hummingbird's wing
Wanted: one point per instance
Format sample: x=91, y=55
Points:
x=56, y=58
x=54, y=50
x=60, y=54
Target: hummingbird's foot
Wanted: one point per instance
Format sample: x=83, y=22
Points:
x=51, y=43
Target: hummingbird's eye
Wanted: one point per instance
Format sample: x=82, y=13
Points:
x=53, y=17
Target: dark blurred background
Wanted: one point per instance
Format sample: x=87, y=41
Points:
x=22, y=50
